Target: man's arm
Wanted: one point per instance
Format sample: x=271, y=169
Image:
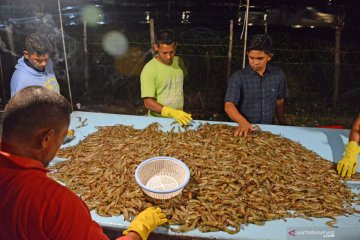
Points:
x=148, y=88
x=153, y=105
x=235, y=115
x=180, y=116
x=232, y=96
x=348, y=164
x=280, y=103
x=17, y=82
x=355, y=130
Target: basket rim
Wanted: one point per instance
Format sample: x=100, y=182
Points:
x=162, y=191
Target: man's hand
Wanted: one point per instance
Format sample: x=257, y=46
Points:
x=181, y=117
x=146, y=222
x=348, y=164
x=70, y=133
x=243, y=129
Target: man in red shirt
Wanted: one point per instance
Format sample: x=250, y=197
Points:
x=33, y=206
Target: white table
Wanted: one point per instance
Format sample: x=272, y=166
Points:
x=328, y=143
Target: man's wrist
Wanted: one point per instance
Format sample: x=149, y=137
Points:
x=134, y=235
x=166, y=111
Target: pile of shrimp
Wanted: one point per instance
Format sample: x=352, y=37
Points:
x=234, y=180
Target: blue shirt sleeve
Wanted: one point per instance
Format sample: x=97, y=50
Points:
x=233, y=89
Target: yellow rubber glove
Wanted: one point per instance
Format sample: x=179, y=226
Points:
x=69, y=136
x=146, y=222
x=348, y=164
x=181, y=117
x=70, y=133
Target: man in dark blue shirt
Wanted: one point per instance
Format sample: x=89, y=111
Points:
x=255, y=93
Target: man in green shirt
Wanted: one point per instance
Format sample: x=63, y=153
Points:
x=162, y=80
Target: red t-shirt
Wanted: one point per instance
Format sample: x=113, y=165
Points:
x=33, y=206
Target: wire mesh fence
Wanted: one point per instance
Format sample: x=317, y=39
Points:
x=97, y=77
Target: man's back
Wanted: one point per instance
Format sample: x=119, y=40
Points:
x=34, y=206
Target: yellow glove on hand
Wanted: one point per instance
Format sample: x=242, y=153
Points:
x=181, y=117
x=349, y=163
x=146, y=222
x=70, y=133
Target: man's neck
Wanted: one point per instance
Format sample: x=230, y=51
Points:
x=18, y=150
x=157, y=57
x=261, y=72
x=29, y=65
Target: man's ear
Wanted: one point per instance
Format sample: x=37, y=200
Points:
x=156, y=47
x=26, y=54
x=45, y=137
x=270, y=56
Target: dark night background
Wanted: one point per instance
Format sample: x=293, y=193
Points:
x=304, y=45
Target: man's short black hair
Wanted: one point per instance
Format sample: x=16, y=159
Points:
x=37, y=44
x=165, y=36
x=260, y=42
x=32, y=108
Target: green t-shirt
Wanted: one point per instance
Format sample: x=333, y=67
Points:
x=164, y=83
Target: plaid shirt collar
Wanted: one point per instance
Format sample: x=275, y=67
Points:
x=250, y=70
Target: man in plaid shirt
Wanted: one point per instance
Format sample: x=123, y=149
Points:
x=254, y=94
